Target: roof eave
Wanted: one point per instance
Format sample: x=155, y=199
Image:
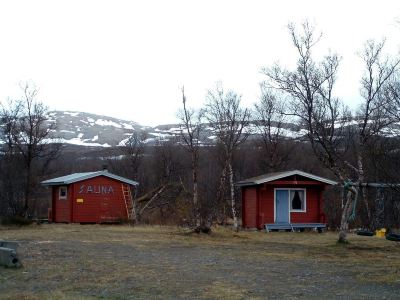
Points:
x=51, y=183
x=92, y=175
x=245, y=183
x=287, y=174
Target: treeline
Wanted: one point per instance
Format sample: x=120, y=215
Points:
x=25, y=155
x=168, y=167
x=189, y=182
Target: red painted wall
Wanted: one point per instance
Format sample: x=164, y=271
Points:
x=312, y=208
x=101, y=201
x=266, y=198
x=250, y=207
x=61, y=208
x=264, y=205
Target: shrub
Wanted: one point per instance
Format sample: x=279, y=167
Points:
x=15, y=220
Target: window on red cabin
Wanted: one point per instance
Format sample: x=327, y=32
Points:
x=298, y=200
x=63, y=191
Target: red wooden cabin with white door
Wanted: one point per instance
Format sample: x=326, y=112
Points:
x=91, y=197
x=284, y=200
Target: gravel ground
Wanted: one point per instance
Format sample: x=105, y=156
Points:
x=121, y=262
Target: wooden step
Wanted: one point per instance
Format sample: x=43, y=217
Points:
x=292, y=226
x=278, y=226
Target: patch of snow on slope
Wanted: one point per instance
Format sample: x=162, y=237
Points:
x=128, y=126
x=102, y=122
x=339, y=124
x=71, y=113
x=174, y=130
x=95, y=138
x=160, y=135
x=123, y=142
x=292, y=134
x=67, y=131
x=390, y=132
x=75, y=141
x=253, y=129
x=114, y=157
x=149, y=140
x=90, y=120
x=80, y=135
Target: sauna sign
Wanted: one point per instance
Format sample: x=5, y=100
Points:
x=96, y=189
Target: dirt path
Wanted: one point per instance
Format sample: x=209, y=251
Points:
x=119, y=262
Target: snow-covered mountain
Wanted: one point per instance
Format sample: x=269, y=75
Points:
x=90, y=130
x=85, y=129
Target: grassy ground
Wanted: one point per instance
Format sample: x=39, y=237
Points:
x=119, y=262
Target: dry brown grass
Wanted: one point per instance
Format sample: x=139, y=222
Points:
x=98, y=261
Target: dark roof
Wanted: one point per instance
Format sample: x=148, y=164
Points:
x=75, y=177
x=279, y=175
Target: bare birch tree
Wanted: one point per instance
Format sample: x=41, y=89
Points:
x=11, y=185
x=229, y=122
x=134, y=149
x=191, y=128
x=27, y=132
x=310, y=87
x=269, y=117
x=374, y=115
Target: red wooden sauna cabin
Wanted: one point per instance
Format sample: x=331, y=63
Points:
x=291, y=200
x=91, y=197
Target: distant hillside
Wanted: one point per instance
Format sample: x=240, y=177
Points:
x=90, y=130
x=85, y=129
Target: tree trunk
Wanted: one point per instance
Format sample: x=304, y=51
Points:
x=195, y=193
x=361, y=179
x=134, y=207
x=344, y=223
x=27, y=190
x=379, y=218
x=158, y=192
x=232, y=194
x=220, y=205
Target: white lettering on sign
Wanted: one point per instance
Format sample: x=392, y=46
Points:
x=96, y=189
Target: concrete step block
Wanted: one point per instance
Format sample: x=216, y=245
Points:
x=9, y=244
x=9, y=258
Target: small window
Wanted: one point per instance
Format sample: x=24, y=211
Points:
x=297, y=200
x=63, y=192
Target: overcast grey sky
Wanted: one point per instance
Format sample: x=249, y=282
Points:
x=128, y=59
